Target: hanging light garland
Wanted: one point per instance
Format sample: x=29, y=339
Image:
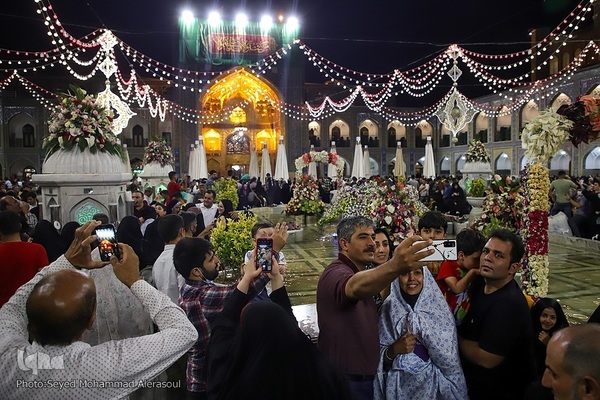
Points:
x=416, y=82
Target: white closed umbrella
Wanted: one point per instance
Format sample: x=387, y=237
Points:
x=429, y=167
x=202, y=162
x=400, y=167
x=366, y=162
x=281, y=164
x=265, y=167
x=253, y=170
x=193, y=163
x=332, y=168
x=357, y=163
x=312, y=166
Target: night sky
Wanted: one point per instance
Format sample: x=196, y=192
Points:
x=374, y=36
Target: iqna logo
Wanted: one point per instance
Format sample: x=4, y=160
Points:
x=38, y=361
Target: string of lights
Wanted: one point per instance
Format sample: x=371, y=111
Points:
x=417, y=82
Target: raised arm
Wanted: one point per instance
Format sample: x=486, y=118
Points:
x=13, y=316
x=372, y=281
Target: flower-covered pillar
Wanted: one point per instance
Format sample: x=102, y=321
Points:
x=536, y=182
x=542, y=138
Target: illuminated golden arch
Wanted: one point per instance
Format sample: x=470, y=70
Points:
x=256, y=96
x=240, y=99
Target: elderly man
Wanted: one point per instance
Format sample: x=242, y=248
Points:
x=56, y=307
x=347, y=312
x=572, y=366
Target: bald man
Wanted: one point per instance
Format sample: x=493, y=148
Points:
x=573, y=363
x=56, y=307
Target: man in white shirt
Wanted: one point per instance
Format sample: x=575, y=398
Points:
x=56, y=307
x=166, y=278
x=208, y=211
x=171, y=229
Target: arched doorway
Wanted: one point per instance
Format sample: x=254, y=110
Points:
x=240, y=113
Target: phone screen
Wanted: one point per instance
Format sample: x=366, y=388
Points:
x=107, y=242
x=264, y=252
x=444, y=250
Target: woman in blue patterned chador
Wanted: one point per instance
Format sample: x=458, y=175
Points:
x=419, y=345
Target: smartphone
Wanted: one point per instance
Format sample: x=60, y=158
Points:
x=444, y=250
x=264, y=252
x=107, y=241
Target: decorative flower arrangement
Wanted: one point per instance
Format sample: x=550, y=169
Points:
x=545, y=135
x=80, y=121
x=319, y=156
x=227, y=189
x=477, y=152
x=391, y=204
x=395, y=207
x=505, y=210
x=585, y=115
x=233, y=239
x=534, y=279
x=305, y=198
x=158, y=152
x=351, y=200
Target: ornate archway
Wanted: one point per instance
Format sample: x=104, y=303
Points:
x=240, y=105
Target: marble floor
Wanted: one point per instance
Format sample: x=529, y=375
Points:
x=574, y=266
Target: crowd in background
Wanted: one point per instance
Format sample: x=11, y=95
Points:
x=391, y=326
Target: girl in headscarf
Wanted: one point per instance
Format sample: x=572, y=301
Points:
x=419, y=345
x=225, y=211
x=384, y=248
x=547, y=317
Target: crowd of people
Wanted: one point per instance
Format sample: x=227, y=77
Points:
x=153, y=323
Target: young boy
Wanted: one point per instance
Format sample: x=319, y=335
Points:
x=432, y=225
x=455, y=277
x=264, y=229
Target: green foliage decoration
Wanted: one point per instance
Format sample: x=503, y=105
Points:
x=227, y=189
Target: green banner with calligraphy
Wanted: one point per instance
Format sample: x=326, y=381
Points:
x=226, y=43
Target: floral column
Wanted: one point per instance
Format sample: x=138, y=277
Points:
x=536, y=182
x=542, y=138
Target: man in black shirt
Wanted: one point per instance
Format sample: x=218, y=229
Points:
x=495, y=336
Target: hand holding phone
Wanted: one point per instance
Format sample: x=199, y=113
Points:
x=107, y=241
x=264, y=252
x=444, y=250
